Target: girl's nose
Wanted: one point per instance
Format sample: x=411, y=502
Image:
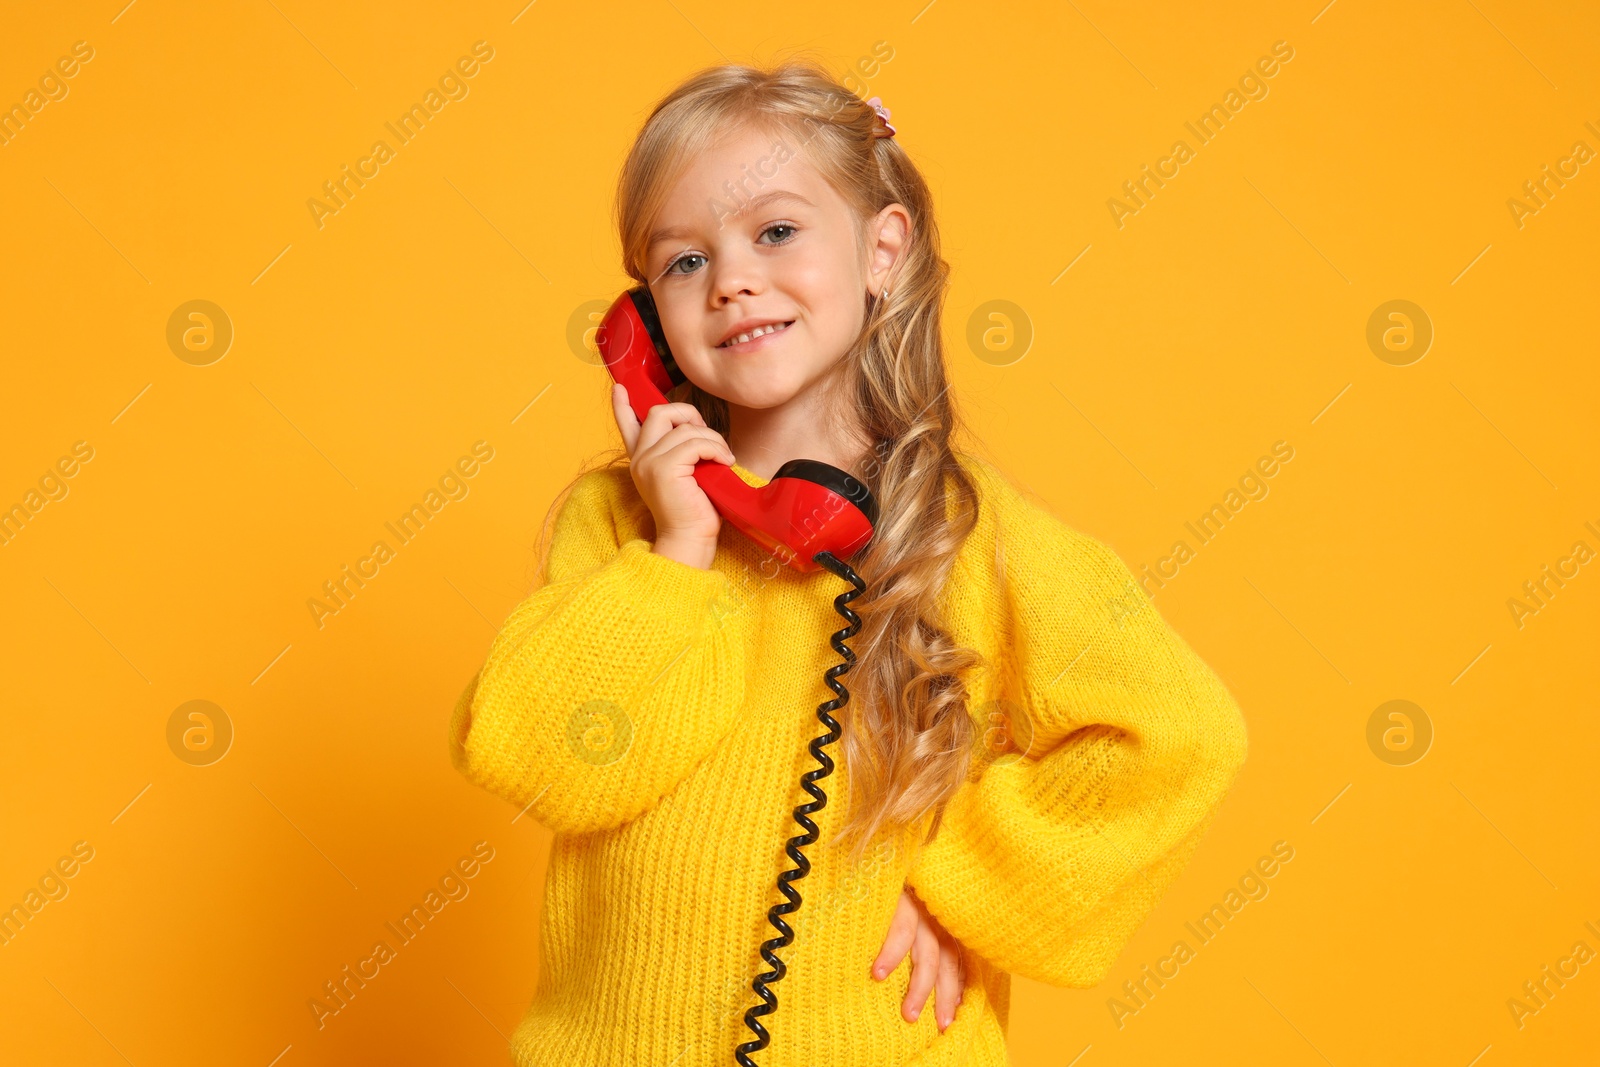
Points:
x=735, y=279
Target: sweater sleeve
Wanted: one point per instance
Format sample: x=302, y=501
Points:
x=1048, y=860
x=608, y=685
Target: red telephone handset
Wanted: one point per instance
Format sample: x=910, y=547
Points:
x=807, y=508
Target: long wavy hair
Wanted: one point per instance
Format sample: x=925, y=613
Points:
x=907, y=735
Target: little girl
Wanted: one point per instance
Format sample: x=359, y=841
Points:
x=1029, y=753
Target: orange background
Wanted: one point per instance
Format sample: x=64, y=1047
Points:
x=370, y=354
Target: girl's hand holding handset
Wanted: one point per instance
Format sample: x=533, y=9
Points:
x=662, y=453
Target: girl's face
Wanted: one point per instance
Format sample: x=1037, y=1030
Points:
x=753, y=236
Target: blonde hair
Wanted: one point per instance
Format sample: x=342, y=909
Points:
x=907, y=735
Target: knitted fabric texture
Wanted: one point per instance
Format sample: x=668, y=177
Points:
x=655, y=717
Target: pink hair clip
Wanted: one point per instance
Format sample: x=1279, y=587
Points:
x=883, y=113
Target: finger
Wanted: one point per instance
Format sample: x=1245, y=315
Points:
x=902, y=930
x=627, y=422
x=667, y=444
x=663, y=417
x=677, y=435
x=924, y=971
x=947, y=990
x=677, y=412
x=688, y=429
x=689, y=452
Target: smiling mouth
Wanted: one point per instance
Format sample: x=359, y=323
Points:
x=759, y=331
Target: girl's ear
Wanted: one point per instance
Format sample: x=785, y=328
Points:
x=887, y=235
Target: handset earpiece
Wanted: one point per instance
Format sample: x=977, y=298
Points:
x=635, y=350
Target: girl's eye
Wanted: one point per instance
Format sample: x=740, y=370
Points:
x=672, y=268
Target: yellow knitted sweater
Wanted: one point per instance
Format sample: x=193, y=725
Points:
x=655, y=717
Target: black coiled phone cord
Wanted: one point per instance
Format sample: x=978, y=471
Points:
x=802, y=814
